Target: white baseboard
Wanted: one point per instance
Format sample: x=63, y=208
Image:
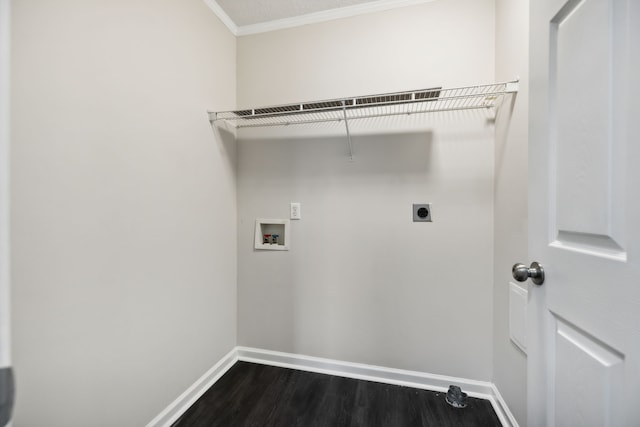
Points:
x=179, y=406
x=502, y=410
x=421, y=380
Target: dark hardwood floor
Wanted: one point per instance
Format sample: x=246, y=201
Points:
x=250, y=394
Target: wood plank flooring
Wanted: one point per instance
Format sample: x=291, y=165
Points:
x=250, y=394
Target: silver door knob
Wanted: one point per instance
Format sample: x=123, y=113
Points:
x=521, y=273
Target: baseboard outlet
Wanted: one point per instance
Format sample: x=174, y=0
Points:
x=421, y=380
x=179, y=406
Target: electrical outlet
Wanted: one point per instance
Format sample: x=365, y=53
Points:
x=422, y=212
x=295, y=210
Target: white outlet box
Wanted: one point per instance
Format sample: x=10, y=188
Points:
x=295, y=210
x=272, y=234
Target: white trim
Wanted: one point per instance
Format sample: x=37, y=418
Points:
x=363, y=372
x=311, y=18
x=222, y=15
x=5, y=295
x=179, y=406
x=502, y=410
x=421, y=380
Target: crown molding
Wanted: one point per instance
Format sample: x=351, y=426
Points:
x=311, y=18
x=222, y=15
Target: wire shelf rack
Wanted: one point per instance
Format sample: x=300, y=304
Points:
x=421, y=101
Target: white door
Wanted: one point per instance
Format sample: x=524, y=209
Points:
x=584, y=213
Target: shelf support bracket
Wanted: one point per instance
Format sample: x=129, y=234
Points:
x=512, y=87
x=346, y=124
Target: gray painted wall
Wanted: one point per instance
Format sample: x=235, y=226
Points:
x=123, y=207
x=510, y=208
x=362, y=282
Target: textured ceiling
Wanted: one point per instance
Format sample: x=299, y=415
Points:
x=249, y=12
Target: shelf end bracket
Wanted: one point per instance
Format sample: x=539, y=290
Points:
x=512, y=87
x=346, y=124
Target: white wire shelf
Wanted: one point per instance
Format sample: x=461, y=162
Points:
x=388, y=104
